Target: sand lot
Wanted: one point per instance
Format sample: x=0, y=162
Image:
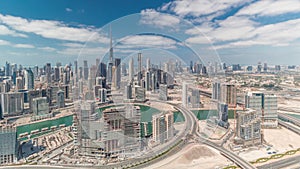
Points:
x=194, y=156
x=281, y=140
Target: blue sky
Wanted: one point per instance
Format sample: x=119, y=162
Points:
x=241, y=31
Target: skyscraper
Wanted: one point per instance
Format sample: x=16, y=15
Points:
x=102, y=95
x=29, y=79
x=216, y=93
x=131, y=69
x=48, y=72
x=117, y=72
x=85, y=70
x=148, y=66
x=263, y=103
x=40, y=106
x=228, y=94
x=140, y=76
x=184, y=94
x=163, y=92
x=163, y=129
x=12, y=103
x=60, y=99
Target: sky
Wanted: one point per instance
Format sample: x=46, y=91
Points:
x=34, y=32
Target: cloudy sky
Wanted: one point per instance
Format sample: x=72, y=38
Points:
x=241, y=31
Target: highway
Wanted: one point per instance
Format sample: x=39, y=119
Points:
x=282, y=163
x=234, y=157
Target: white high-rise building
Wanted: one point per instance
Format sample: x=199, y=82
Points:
x=12, y=103
x=184, y=94
x=163, y=92
x=163, y=127
x=148, y=66
x=29, y=79
x=102, y=95
x=40, y=106
x=131, y=69
x=266, y=103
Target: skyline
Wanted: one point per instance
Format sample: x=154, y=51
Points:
x=244, y=32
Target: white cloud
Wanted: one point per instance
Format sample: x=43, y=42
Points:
x=5, y=31
x=4, y=42
x=69, y=10
x=271, y=7
x=48, y=49
x=87, y=51
x=23, y=46
x=73, y=45
x=7, y=43
x=157, y=19
x=200, y=7
x=147, y=41
x=53, y=29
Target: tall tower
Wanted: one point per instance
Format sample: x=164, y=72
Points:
x=148, y=64
x=131, y=69
x=85, y=70
x=139, y=68
x=184, y=94
x=111, y=48
x=117, y=72
x=110, y=62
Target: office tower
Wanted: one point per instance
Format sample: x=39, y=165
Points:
x=19, y=83
x=40, y=106
x=100, y=81
x=97, y=62
x=91, y=83
x=4, y=87
x=57, y=74
x=147, y=80
x=191, y=67
x=117, y=73
x=263, y=103
x=109, y=72
x=140, y=76
x=184, y=94
x=195, y=98
x=148, y=65
x=223, y=115
x=163, y=92
x=216, y=93
x=228, y=94
x=158, y=77
x=8, y=145
x=128, y=91
x=76, y=67
x=12, y=103
x=102, y=95
x=249, y=68
x=80, y=74
x=123, y=69
x=265, y=67
x=7, y=69
x=131, y=69
x=140, y=94
x=85, y=70
x=86, y=109
x=277, y=68
x=48, y=72
x=121, y=131
x=248, y=128
x=259, y=67
x=80, y=87
x=28, y=79
x=60, y=99
x=163, y=127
